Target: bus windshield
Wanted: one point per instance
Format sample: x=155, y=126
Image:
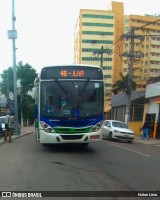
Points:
x=71, y=99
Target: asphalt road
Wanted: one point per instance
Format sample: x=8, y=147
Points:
x=25, y=165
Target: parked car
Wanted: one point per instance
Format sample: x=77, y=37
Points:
x=117, y=130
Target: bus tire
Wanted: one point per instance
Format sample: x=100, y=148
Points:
x=44, y=145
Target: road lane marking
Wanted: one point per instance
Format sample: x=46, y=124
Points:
x=131, y=150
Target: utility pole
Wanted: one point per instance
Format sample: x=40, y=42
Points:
x=102, y=56
x=131, y=55
x=100, y=52
x=12, y=34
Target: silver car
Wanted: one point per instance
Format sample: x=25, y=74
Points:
x=117, y=130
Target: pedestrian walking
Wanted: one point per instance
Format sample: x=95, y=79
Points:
x=9, y=126
x=151, y=128
x=145, y=130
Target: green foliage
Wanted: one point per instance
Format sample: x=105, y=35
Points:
x=6, y=85
x=122, y=85
x=26, y=75
x=28, y=107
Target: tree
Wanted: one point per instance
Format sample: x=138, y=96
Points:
x=28, y=108
x=6, y=85
x=122, y=85
x=26, y=74
x=125, y=85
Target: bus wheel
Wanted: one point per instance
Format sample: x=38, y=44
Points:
x=44, y=145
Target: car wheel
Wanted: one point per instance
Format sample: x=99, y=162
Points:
x=130, y=141
x=84, y=145
x=110, y=137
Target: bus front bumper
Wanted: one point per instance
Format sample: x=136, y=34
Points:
x=51, y=138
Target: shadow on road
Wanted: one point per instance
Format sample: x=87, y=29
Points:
x=71, y=148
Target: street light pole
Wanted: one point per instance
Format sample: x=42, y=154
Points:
x=12, y=34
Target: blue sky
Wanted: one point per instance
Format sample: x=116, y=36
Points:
x=46, y=28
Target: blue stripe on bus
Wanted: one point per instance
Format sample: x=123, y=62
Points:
x=72, y=123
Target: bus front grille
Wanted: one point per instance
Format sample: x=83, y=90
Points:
x=71, y=137
x=72, y=130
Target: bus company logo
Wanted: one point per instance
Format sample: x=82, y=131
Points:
x=76, y=113
x=6, y=194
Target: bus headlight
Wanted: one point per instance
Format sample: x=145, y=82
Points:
x=47, y=128
x=96, y=127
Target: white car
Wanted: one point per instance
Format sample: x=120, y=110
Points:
x=117, y=130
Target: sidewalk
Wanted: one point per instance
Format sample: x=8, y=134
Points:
x=151, y=141
x=24, y=131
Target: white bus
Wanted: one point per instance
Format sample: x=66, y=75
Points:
x=69, y=104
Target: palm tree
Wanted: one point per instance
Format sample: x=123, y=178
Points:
x=125, y=85
x=122, y=85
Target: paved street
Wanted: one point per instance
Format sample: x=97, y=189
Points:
x=104, y=166
x=30, y=129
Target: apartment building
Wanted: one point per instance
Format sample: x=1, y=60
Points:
x=94, y=42
x=148, y=65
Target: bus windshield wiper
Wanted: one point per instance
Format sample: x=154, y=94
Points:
x=84, y=87
x=62, y=88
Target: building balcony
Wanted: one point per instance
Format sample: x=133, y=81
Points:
x=155, y=50
x=152, y=74
x=152, y=66
x=137, y=73
x=155, y=58
x=154, y=42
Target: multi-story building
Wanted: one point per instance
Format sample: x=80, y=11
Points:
x=95, y=35
x=148, y=65
x=98, y=41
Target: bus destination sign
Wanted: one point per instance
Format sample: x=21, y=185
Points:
x=70, y=72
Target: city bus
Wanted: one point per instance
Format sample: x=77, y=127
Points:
x=69, y=104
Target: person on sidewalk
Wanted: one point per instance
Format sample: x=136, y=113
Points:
x=151, y=128
x=145, y=130
x=9, y=126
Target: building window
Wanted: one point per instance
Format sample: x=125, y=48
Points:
x=107, y=51
x=97, y=24
x=97, y=16
x=107, y=68
x=107, y=76
x=98, y=41
x=95, y=59
x=96, y=33
x=126, y=21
